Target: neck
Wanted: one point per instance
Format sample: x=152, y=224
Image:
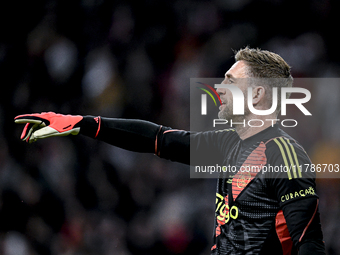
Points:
x=258, y=124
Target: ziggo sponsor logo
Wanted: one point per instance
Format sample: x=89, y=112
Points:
x=224, y=213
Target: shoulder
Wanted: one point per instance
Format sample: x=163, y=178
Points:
x=225, y=131
x=285, y=152
x=218, y=134
x=285, y=147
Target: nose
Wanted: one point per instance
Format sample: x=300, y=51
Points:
x=220, y=91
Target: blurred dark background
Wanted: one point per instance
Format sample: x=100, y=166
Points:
x=134, y=59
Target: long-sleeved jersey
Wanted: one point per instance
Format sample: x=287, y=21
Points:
x=266, y=205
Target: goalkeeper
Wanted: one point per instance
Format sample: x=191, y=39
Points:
x=258, y=213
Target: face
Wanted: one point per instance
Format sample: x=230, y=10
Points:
x=232, y=76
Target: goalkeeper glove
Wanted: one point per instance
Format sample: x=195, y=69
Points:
x=47, y=124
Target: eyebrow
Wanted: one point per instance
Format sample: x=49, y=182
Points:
x=230, y=76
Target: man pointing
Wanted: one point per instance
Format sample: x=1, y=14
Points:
x=255, y=212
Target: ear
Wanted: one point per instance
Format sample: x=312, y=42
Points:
x=259, y=93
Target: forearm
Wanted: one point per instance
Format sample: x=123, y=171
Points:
x=139, y=136
x=133, y=135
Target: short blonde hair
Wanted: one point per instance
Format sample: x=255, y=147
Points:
x=268, y=65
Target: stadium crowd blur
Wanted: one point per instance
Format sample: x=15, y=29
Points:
x=134, y=59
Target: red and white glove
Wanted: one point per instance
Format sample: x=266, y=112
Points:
x=47, y=124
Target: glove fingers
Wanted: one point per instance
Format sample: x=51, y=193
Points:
x=31, y=118
x=29, y=129
x=43, y=133
x=26, y=131
x=47, y=124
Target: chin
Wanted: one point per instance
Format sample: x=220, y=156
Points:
x=222, y=116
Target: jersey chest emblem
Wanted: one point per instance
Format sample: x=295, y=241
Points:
x=243, y=179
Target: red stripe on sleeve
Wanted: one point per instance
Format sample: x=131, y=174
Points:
x=304, y=231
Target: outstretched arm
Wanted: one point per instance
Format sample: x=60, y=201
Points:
x=196, y=148
x=134, y=135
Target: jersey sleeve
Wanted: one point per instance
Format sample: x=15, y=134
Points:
x=134, y=135
x=293, y=186
x=147, y=137
x=195, y=148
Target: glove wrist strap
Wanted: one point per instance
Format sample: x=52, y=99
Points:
x=90, y=126
x=99, y=121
